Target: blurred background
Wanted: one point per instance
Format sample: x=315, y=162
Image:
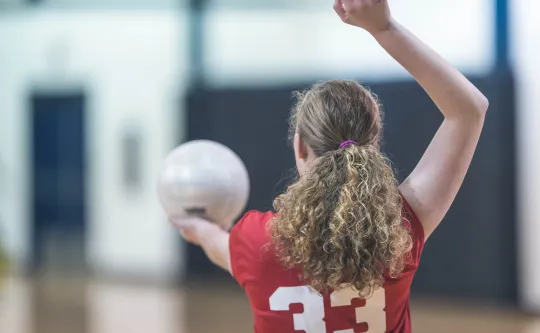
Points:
x=95, y=93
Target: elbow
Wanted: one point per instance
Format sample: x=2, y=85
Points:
x=473, y=110
x=482, y=104
x=477, y=108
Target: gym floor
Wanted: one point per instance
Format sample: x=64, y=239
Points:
x=56, y=305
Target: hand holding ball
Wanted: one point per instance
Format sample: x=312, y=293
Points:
x=205, y=179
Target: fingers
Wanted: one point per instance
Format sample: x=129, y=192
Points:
x=349, y=4
x=183, y=222
x=192, y=223
x=189, y=235
x=340, y=10
x=356, y=4
x=184, y=233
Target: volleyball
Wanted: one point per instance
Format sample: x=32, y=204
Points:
x=206, y=179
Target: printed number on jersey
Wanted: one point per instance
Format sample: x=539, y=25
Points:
x=312, y=319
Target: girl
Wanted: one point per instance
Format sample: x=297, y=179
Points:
x=340, y=253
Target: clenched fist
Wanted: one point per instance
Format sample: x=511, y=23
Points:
x=371, y=15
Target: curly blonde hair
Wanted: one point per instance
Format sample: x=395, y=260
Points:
x=341, y=222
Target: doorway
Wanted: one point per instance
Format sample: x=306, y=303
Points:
x=58, y=182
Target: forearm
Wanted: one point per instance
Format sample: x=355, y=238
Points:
x=215, y=243
x=453, y=94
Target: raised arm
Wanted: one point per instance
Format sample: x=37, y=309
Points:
x=432, y=186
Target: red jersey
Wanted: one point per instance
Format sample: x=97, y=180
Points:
x=282, y=304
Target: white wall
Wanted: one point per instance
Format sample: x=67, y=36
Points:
x=526, y=53
x=274, y=47
x=130, y=65
x=114, y=4
x=94, y=4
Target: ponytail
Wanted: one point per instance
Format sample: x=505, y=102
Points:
x=341, y=222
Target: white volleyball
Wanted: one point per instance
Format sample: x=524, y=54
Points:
x=204, y=178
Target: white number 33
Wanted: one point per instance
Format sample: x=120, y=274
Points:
x=312, y=319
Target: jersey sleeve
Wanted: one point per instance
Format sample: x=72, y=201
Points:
x=417, y=230
x=245, y=242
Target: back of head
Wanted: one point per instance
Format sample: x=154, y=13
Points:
x=341, y=222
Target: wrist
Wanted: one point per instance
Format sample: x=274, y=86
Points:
x=391, y=25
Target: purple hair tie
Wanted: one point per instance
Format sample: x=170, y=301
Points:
x=347, y=143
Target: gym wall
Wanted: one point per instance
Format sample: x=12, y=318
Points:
x=129, y=67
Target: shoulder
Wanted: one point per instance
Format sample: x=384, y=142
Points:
x=247, y=237
x=252, y=220
x=251, y=227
